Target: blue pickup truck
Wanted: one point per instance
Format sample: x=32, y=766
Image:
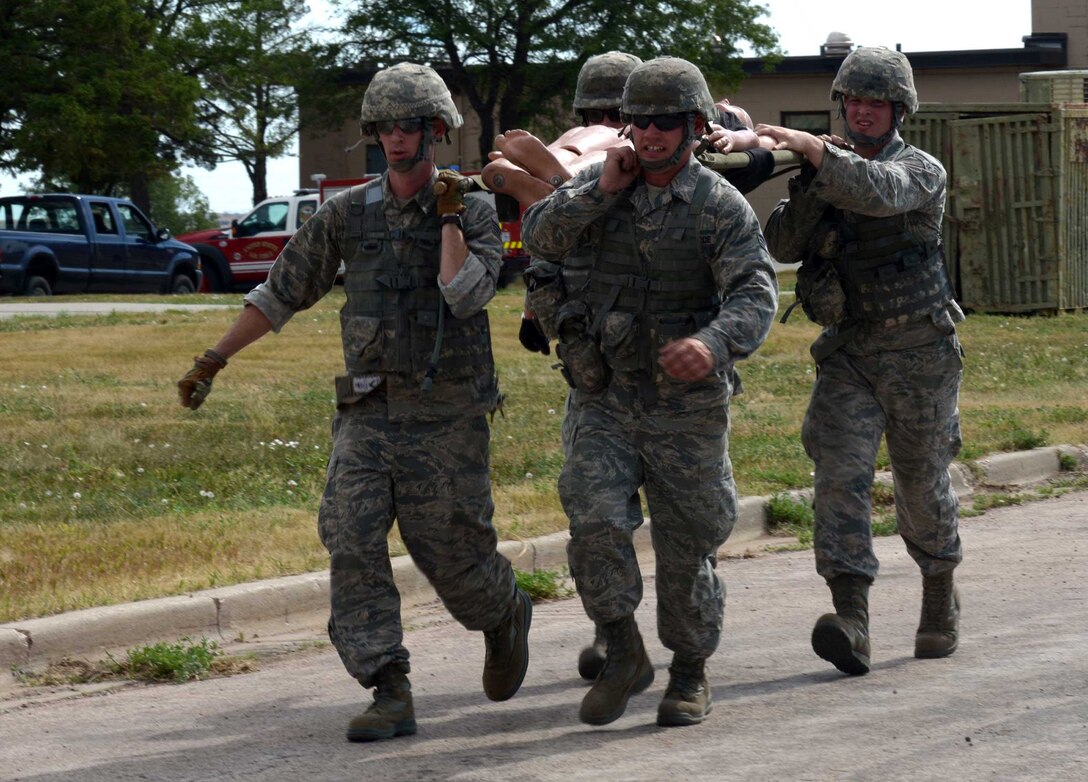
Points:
x=64, y=243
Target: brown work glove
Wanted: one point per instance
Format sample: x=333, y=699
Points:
x=451, y=198
x=197, y=383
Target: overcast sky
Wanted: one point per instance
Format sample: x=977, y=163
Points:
x=802, y=25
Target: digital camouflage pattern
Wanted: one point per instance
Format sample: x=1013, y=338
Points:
x=433, y=478
x=667, y=85
x=674, y=441
x=879, y=379
x=909, y=397
x=601, y=80
x=421, y=460
x=408, y=90
x=876, y=72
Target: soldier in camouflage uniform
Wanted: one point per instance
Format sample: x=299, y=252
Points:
x=597, y=99
x=865, y=220
x=410, y=436
x=669, y=282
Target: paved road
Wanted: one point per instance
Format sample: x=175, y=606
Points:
x=1011, y=704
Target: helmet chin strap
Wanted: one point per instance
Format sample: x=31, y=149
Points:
x=681, y=148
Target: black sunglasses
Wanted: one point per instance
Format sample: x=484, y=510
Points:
x=660, y=121
x=595, y=116
x=410, y=125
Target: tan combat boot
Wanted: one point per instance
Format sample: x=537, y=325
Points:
x=938, y=630
x=591, y=659
x=687, y=699
x=507, y=656
x=627, y=670
x=842, y=638
x=391, y=714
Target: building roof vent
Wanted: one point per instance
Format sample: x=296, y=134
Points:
x=838, y=44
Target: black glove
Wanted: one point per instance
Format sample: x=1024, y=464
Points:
x=532, y=337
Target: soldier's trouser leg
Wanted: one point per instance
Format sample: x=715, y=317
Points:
x=442, y=492
x=591, y=658
x=692, y=501
x=600, y=475
x=923, y=436
x=841, y=434
x=379, y=469
x=355, y=517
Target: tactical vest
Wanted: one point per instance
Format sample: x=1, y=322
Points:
x=638, y=307
x=395, y=319
x=888, y=275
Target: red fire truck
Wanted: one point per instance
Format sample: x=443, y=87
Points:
x=239, y=259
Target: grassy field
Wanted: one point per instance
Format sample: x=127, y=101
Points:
x=113, y=492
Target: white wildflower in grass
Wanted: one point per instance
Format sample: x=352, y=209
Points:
x=209, y=494
x=45, y=445
x=143, y=404
x=76, y=495
x=292, y=483
x=140, y=470
x=551, y=411
x=48, y=493
x=22, y=505
x=165, y=502
x=528, y=475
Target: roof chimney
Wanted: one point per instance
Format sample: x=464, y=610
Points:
x=838, y=44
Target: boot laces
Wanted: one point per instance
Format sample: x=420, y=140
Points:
x=685, y=676
x=937, y=598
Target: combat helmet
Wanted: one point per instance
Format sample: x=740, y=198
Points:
x=601, y=80
x=669, y=85
x=404, y=91
x=876, y=72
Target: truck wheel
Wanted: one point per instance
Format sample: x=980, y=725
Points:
x=182, y=284
x=37, y=286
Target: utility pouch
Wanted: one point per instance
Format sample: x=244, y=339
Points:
x=545, y=293
x=583, y=366
x=819, y=291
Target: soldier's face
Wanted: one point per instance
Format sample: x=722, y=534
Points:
x=868, y=116
x=653, y=144
x=399, y=145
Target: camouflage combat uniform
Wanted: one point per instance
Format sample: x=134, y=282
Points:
x=399, y=452
x=644, y=428
x=887, y=369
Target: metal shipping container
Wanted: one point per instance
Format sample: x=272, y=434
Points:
x=1016, y=221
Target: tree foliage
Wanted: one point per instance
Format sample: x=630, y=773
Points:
x=510, y=57
x=109, y=96
x=92, y=98
x=255, y=57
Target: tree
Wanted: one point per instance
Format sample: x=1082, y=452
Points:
x=178, y=204
x=92, y=98
x=256, y=57
x=509, y=57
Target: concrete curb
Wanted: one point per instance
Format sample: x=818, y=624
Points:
x=297, y=602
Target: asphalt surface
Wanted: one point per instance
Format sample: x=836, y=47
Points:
x=1011, y=704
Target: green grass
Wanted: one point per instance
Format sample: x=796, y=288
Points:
x=185, y=660
x=112, y=492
